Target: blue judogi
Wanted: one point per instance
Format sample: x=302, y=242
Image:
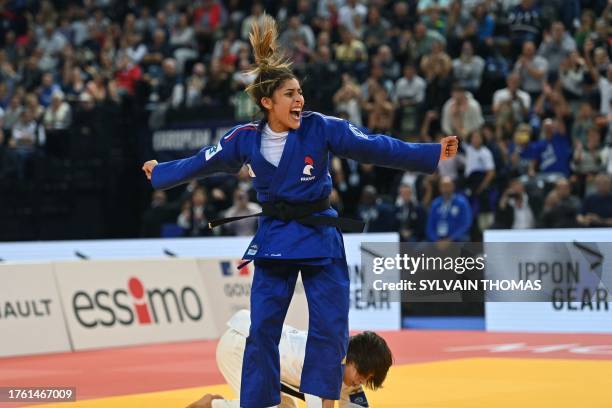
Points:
x=282, y=248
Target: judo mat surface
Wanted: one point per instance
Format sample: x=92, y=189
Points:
x=445, y=369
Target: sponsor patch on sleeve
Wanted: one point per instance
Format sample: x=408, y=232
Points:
x=211, y=151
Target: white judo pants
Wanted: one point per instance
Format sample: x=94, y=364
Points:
x=230, y=351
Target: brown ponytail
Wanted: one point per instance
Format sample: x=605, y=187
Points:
x=272, y=69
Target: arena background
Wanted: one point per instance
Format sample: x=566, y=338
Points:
x=91, y=89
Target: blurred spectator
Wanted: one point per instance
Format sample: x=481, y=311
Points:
x=586, y=27
x=557, y=45
x=196, y=214
x=583, y=122
x=351, y=10
x=461, y=26
x=597, y=208
x=47, y=88
x=12, y=112
x=516, y=209
x=553, y=153
x=532, y=70
x=520, y=152
x=26, y=135
x=424, y=40
x=348, y=100
x=450, y=215
x=350, y=49
x=572, y=72
x=437, y=67
x=380, y=111
x=58, y=115
x=411, y=216
x=128, y=73
x=408, y=95
x=479, y=174
x=255, y=16
x=587, y=159
x=461, y=114
x=560, y=207
x=241, y=207
x=518, y=100
x=525, y=23
x=376, y=29
x=296, y=30
x=159, y=213
x=377, y=215
x=605, y=91
x=468, y=68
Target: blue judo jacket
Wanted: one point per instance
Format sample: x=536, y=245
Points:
x=301, y=176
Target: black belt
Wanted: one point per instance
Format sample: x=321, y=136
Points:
x=300, y=212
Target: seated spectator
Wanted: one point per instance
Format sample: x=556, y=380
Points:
x=159, y=213
x=597, y=207
x=377, y=215
x=519, y=100
x=47, y=88
x=461, y=114
x=467, y=69
x=350, y=49
x=517, y=209
x=531, y=69
x=27, y=134
x=560, y=207
x=552, y=103
x=557, y=45
x=437, y=67
x=424, y=40
x=410, y=88
x=450, y=215
x=241, y=207
x=58, y=115
x=553, y=154
x=410, y=215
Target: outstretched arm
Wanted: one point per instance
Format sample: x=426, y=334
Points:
x=225, y=157
x=344, y=139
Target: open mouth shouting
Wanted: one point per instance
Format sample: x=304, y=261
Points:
x=295, y=113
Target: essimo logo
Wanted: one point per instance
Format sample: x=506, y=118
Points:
x=136, y=305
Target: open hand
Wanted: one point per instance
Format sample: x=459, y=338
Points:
x=450, y=145
x=148, y=168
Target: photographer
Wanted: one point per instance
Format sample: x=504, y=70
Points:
x=516, y=209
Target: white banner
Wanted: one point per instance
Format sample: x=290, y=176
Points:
x=31, y=320
x=570, y=312
x=229, y=290
x=118, y=303
x=370, y=309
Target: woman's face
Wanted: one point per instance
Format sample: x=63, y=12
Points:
x=285, y=106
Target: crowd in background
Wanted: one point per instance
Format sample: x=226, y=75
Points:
x=525, y=84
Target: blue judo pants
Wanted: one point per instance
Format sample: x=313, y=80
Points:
x=327, y=292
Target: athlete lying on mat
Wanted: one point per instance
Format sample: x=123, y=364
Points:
x=367, y=362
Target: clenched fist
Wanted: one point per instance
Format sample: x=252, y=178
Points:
x=450, y=144
x=148, y=168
